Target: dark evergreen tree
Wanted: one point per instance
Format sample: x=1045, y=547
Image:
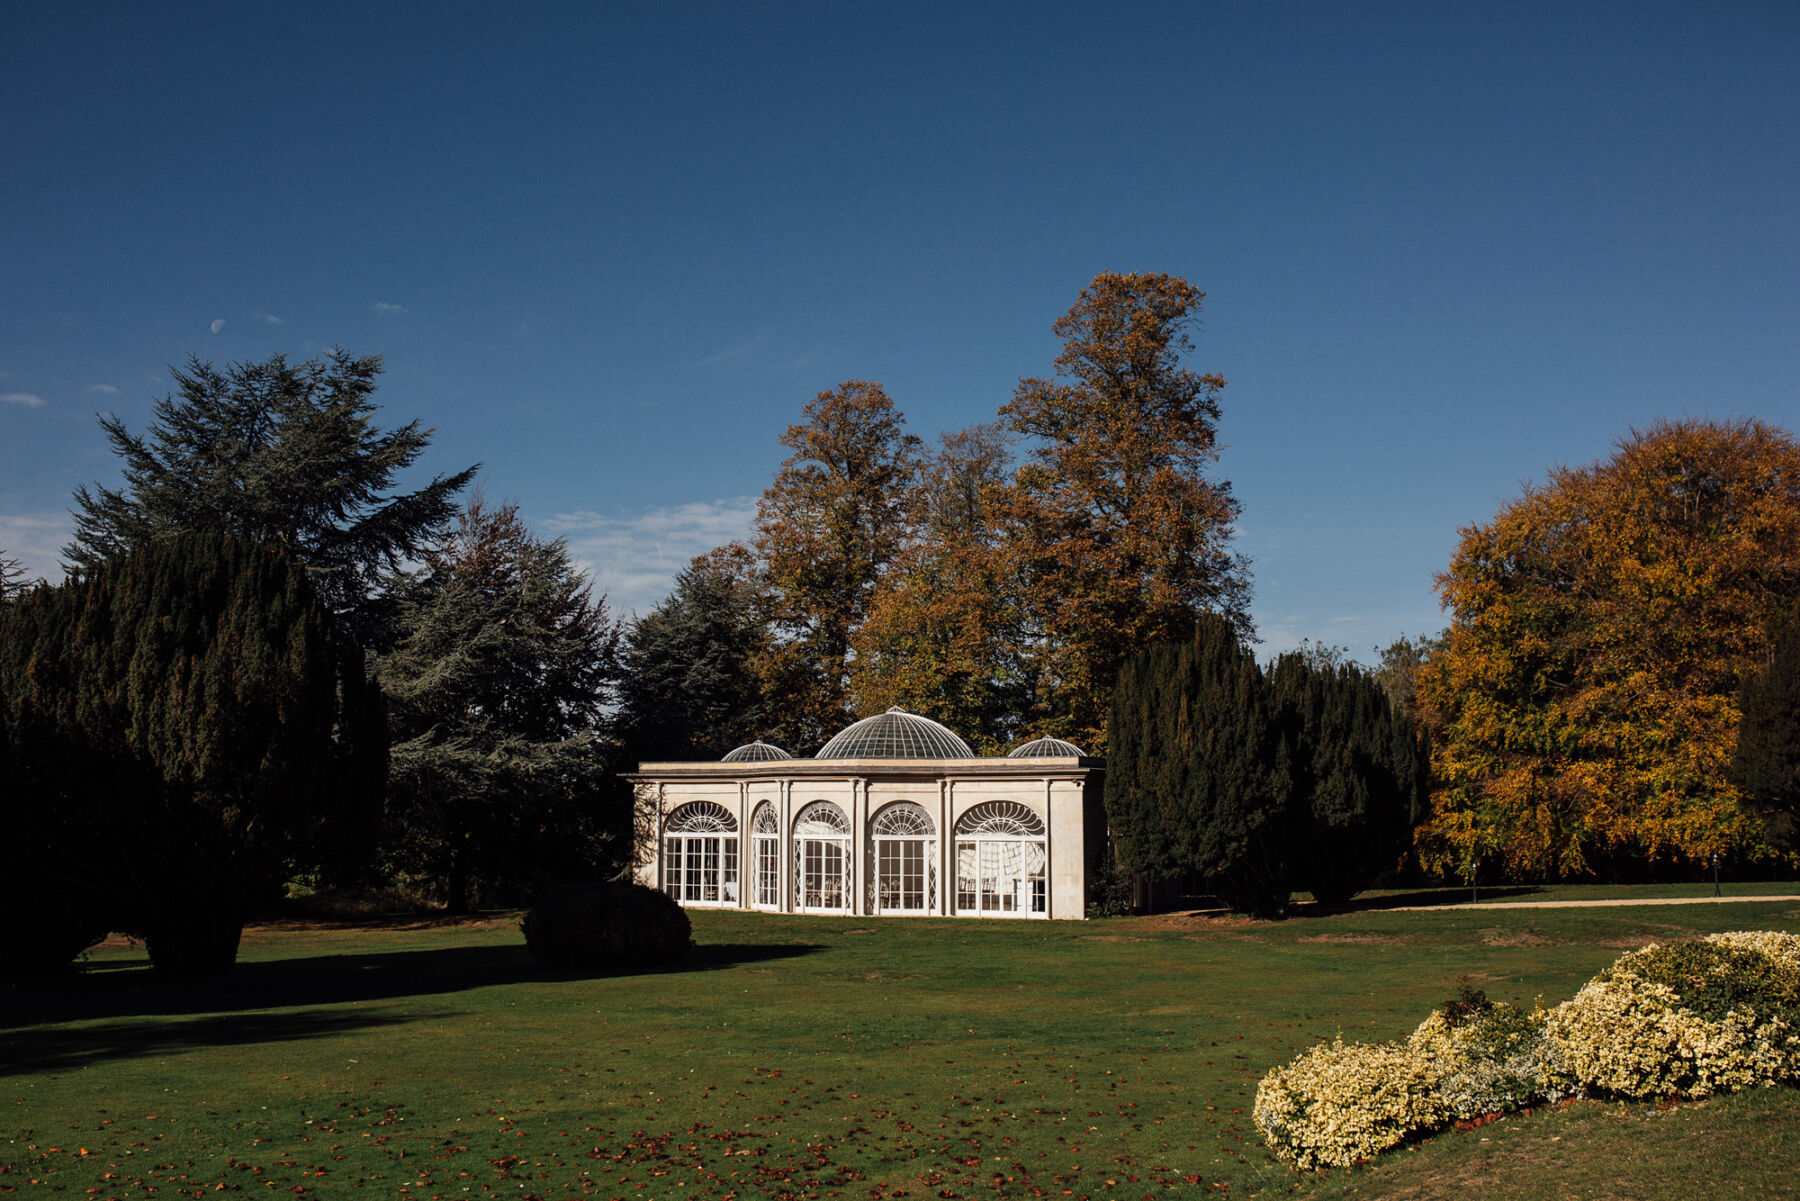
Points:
x=499, y=684
x=1302, y=777
x=1766, y=763
x=278, y=453
x=12, y=577
x=690, y=689
x=1357, y=772
x=182, y=727
x=1197, y=776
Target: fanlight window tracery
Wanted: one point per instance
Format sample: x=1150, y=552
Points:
x=904, y=819
x=1000, y=819
x=765, y=821
x=821, y=819
x=702, y=817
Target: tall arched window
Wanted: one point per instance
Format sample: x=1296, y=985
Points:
x=700, y=855
x=905, y=860
x=766, y=848
x=1000, y=862
x=821, y=859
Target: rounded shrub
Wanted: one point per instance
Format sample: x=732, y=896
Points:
x=1688, y=1019
x=608, y=925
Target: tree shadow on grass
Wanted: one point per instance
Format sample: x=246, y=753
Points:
x=131, y=990
x=1425, y=897
x=63, y=1050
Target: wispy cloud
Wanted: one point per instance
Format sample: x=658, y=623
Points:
x=386, y=308
x=218, y=325
x=633, y=559
x=36, y=540
x=268, y=318
x=29, y=399
x=103, y=389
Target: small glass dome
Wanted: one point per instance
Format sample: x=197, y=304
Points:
x=1047, y=748
x=895, y=734
x=755, y=752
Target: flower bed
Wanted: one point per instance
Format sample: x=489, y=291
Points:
x=1685, y=1020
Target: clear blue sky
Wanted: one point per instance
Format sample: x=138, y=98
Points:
x=611, y=250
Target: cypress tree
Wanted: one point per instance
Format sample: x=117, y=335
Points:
x=1304, y=776
x=1766, y=763
x=185, y=729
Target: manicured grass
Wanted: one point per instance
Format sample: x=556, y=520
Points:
x=821, y=1057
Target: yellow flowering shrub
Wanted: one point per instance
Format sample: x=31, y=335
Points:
x=1782, y=947
x=1688, y=1019
x=1497, y=1061
x=1341, y=1102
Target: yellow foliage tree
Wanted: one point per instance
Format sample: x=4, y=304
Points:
x=1583, y=706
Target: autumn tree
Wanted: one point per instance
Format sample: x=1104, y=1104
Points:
x=1766, y=763
x=279, y=453
x=689, y=688
x=946, y=633
x=1398, y=668
x=826, y=529
x=498, y=686
x=1583, y=705
x=1123, y=538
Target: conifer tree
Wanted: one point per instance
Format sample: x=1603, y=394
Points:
x=498, y=686
x=274, y=452
x=689, y=689
x=1766, y=763
x=184, y=729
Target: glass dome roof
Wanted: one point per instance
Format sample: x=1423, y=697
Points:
x=895, y=734
x=755, y=752
x=1047, y=748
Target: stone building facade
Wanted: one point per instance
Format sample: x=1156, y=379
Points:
x=895, y=816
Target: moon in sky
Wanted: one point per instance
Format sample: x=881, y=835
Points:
x=218, y=325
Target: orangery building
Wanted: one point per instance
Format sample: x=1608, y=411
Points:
x=894, y=816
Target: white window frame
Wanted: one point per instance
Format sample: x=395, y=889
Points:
x=1002, y=862
x=765, y=858
x=822, y=842
x=905, y=845
x=700, y=856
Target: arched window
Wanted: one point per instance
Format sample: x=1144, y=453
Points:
x=766, y=835
x=700, y=855
x=1001, y=861
x=905, y=860
x=821, y=859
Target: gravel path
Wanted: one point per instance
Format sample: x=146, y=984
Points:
x=1591, y=904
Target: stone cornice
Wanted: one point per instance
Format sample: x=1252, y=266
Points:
x=987, y=768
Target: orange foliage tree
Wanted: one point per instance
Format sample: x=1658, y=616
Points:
x=1121, y=538
x=1583, y=707
x=945, y=634
x=826, y=531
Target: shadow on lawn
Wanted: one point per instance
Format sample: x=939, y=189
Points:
x=27, y=1052
x=131, y=990
x=1432, y=896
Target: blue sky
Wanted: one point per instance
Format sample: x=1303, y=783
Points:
x=612, y=250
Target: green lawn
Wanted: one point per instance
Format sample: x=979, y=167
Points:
x=826, y=1057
